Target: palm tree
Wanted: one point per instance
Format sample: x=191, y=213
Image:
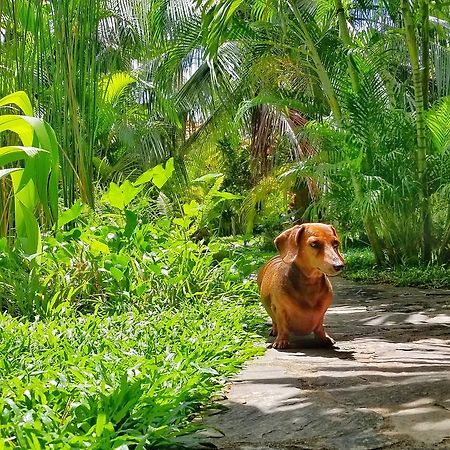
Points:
x=306, y=35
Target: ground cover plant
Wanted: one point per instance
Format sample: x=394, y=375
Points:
x=122, y=333
x=126, y=380
x=361, y=266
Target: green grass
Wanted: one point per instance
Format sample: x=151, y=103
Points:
x=121, y=336
x=361, y=267
x=126, y=379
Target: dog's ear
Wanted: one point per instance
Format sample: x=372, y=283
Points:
x=333, y=230
x=287, y=243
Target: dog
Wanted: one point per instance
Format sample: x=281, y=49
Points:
x=294, y=285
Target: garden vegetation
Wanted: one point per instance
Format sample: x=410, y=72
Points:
x=151, y=151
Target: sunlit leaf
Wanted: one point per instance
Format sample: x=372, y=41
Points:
x=70, y=214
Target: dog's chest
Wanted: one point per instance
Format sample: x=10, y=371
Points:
x=313, y=295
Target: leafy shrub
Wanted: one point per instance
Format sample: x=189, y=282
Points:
x=123, y=331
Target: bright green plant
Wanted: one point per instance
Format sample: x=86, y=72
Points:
x=126, y=329
x=360, y=267
x=116, y=254
x=35, y=182
x=131, y=379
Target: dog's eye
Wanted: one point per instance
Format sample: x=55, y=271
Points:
x=315, y=244
x=336, y=244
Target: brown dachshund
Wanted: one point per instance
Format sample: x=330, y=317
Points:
x=294, y=285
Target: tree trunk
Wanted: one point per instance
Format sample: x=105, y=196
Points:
x=346, y=39
x=419, y=99
x=425, y=52
x=444, y=250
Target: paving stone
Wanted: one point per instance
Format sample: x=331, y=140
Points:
x=386, y=386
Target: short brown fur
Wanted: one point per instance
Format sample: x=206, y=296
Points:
x=294, y=286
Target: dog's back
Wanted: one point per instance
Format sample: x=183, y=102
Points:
x=267, y=272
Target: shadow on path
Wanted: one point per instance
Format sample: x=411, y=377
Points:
x=386, y=386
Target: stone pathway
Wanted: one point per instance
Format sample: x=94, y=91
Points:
x=386, y=386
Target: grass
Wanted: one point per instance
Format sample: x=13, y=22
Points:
x=122, y=335
x=126, y=379
x=361, y=267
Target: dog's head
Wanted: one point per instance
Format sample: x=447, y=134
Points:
x=312, y=247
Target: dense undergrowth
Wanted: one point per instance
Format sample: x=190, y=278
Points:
x=123, y=329
x=361, y=267
x=122, y=332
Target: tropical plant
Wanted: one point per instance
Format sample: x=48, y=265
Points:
x=125, y=331
x=33, y=168
x=281, y=80
x=89, y=65
x=346, y=65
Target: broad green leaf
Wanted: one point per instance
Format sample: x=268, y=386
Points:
x=184, y=222
x=19, y=98
x=226, y=195
x=208, y=177
x=120, y=196
x=5, y=172
x=158, y=175
x=98, y=248
x=191, y=209
x=29, y=235
x=144, y=178
x=129, y=192
x=130, y=226
x=19, y=126
x=161, y=174
x=70, y=214
x=16, y=153
x=37, y=183
x=114, y=196
x=26, y=225
x=100, y=424
x=27, y=193
x=116, y=273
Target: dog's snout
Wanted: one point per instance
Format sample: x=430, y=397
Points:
x=338, y=267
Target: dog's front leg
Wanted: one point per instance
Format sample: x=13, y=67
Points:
x=268, y=307
x=323, y=336
x=281, y=328
x=274, y=330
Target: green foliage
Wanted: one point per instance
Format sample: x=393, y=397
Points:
x=361, y=267
x=245, y=89
x=124, y=332
x=133, y=379
x=35, y=179
x=330, y=80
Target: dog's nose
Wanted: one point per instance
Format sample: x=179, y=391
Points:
x=338, y=267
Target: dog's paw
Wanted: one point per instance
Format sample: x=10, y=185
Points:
x=327, y=341
x=273, y=332
x=280, y=344
x=324, y=339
